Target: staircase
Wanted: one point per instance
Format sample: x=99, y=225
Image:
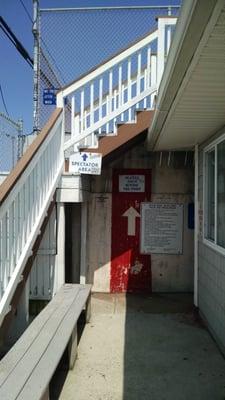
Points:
x=112, y=98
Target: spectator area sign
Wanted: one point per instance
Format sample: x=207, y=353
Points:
x=85, y=163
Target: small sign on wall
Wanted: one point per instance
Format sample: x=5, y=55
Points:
x=131, y=183
x=161, y=228
x=85, y=163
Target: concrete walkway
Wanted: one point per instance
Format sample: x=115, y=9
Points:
x=145, y=348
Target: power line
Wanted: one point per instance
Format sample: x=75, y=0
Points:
x=12, y=37
x=3, y=100
x=26, y=10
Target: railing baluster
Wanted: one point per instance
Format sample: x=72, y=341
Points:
x=107, y=112
x=100, y=101
x=129, y=86
x=120, y=100
x=110, y=89
x=153, y=75
x=10, y=239
x=139, y=74
x=92, y=104
x=82, y=111
x=73, y=133
x=22, y=213
x=17, y=229
x=4, y=252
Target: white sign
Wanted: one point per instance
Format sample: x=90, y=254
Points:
x=132, y=183
x=85, y=163
x=161, y=228
x=131, y=215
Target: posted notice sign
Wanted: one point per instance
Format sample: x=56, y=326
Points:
x=85, y=163
x=161, y=228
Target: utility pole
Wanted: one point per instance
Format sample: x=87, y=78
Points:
x=35, y=31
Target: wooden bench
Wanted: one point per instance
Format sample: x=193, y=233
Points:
x=26, y=370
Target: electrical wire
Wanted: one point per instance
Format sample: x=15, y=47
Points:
x=3, y=100
x=26, y=10
x=12, y=37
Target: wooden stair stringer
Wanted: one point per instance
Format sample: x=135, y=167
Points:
x=126, y=133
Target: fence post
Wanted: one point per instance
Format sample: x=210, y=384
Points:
x=35, y=31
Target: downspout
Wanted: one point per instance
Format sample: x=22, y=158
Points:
x=196, y=230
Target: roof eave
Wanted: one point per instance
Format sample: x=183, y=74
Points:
x=191, y=25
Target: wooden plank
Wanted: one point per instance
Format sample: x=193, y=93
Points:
x=8, y=363
x=11, y=359
x=46, y=366
x=21, y=362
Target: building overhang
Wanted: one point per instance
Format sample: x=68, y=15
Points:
x=191, y=99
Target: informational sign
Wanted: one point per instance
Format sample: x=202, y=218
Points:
x=85, y=163
x=161, y=228
x=49, y=97
x=132, y=183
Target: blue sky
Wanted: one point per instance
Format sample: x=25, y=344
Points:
x=16, y=76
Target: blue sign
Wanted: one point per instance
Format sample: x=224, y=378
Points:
x=191, y=216
x=49, y=97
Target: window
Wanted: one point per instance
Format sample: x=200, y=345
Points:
x=214, y=210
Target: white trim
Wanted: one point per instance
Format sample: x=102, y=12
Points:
x=221, y=138
x=196, y=231
x=212, y=244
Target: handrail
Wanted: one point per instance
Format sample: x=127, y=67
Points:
x=25, y=198
x=106, y=64
x=12, y=178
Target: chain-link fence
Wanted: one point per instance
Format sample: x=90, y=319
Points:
x=11, y=142
x=74, y=41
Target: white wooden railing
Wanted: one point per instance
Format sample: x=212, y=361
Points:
x=25, y=197
x=111, y=93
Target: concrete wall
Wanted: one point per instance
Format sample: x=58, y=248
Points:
x=211, y=284
x=172, y=182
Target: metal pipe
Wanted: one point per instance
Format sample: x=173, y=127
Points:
x=110, y=8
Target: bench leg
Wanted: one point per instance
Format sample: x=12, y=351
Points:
x=88, y=309
x=46, y=394
x=72, y=348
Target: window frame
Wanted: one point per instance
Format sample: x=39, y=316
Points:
x=211, y=243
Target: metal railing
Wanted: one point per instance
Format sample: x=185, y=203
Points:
x=24, y=199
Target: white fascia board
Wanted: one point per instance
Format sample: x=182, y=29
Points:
x=192, y=22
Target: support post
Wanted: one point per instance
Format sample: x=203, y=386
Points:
x=88, y=309
x=83, y=256
x=59, y=278
x=72, y=348
x=196, y=230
